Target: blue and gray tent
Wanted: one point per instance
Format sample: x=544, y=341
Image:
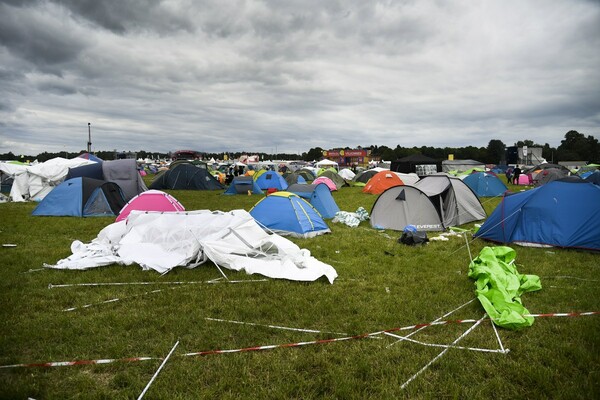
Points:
x=82, y=197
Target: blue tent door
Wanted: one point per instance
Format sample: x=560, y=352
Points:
x=63, y=200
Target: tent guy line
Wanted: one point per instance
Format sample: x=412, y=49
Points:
x=270, y=347
x=501, y=351
x=436, y=320
x=212, y=281
x=158, y=371
x=114, y=300
x=458, y=339
x=273, y=326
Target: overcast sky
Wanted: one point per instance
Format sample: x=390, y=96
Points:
x=290, y=75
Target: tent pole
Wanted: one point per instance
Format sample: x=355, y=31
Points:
x=468, y=247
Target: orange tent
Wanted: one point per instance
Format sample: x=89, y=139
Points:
x=382, y=181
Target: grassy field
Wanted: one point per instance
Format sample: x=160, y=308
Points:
x=382, y=284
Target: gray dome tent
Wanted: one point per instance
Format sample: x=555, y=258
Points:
x=434, y=203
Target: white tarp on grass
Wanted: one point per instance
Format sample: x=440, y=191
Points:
x=163, y=241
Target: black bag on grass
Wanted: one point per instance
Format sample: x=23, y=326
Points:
x=413, y=238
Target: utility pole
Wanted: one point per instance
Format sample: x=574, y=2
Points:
x=89, y=144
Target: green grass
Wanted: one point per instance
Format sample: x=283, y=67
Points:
x=382, y=284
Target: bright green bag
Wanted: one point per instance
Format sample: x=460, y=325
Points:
x=499, y=286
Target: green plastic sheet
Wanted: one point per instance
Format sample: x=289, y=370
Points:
x=499, y=286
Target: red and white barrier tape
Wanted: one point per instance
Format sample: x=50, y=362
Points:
x=80, y=362
x=297, y=344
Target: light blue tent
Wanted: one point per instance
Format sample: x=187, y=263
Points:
x=485, y=184
x=319, y=196
x=271, y=180
x=561, y=213
x=243, y=185
x=286, y=213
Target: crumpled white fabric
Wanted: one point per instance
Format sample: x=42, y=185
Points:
x=163, y=241
x=351, y=219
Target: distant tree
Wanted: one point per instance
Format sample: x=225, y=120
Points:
x=315, y=153
x=387, y=154
x=471, y=153
x=528, y=143
x=548, y=153
x=495, y=152
x=575, y=146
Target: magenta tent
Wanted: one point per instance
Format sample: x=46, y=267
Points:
x=151, y=200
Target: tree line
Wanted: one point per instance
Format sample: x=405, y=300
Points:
x=574, y=147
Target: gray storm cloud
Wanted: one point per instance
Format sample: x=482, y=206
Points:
x=255, y=75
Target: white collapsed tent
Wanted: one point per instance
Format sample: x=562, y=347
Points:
x=34, y=182
x=163, y=241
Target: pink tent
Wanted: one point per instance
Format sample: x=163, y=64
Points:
x=327, y=181
x=524, y=179
x=150, y=200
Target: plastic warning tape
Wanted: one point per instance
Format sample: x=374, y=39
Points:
x=365, y=335
x=81, y=362
x=276, y=346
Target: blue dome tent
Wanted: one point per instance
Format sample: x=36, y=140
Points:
x=319, y=196
x=286, y=213
x=485, y=184
x=561, y=213
x=271, y=180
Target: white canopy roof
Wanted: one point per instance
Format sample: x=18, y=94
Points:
x=326, y=163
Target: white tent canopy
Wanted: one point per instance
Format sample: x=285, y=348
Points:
x=326, y=163
x=163, y=241
x=34, y=182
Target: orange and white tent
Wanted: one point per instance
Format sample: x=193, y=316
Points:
x=382, y=181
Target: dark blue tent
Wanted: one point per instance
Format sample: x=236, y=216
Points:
x=319, y=196
x=243, y=185
x=82, y=197
x=89, y=171
x=562, y=213
x=485, y=184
